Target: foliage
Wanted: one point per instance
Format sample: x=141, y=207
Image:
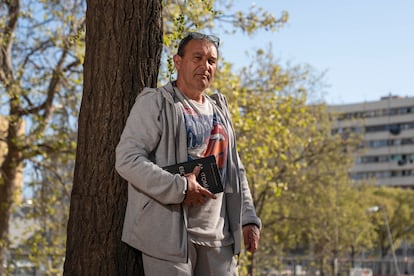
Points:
x=40, y=72
x=395, y=208
x=194, y=15
x=297, y=170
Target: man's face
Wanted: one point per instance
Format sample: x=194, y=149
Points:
x=196, y=68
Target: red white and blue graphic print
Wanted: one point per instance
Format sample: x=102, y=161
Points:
x=206, y=135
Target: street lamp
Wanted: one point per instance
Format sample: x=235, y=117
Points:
x=375, y=209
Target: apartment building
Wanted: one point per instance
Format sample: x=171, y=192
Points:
x=387, y=126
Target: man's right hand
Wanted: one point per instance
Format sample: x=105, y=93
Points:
x=196, y=194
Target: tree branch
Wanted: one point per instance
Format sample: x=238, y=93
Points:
x=6, y=72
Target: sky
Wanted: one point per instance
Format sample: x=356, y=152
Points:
x=366, y=47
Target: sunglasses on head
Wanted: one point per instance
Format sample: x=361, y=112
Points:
x=212, y=38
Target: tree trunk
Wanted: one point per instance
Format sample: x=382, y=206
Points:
x=123, y=51
x=10, y=168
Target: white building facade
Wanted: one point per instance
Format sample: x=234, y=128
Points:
x=387, y=128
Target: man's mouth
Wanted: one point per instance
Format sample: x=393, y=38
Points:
x=207, y=77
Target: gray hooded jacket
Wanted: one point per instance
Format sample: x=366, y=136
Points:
x=154, y=137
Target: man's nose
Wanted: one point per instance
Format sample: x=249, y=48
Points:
x=206, y=65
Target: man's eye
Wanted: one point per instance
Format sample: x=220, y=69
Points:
x=212, y=61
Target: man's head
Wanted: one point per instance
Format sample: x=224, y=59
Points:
x=196, y=63
x=197, y=36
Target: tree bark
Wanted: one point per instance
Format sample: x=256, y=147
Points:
x=11, y=163
x=11, y=169
x=123, y=52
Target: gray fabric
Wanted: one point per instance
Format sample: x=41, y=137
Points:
x=208, y=223
x=202, y=261
x=155, y=220
x=211, y=261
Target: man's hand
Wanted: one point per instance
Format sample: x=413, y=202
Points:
x=196, y=194
x=251, y=235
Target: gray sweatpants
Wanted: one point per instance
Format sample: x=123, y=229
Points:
x=202, y=261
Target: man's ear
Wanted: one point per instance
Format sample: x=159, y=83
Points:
x=177, y=61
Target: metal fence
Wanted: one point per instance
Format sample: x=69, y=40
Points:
x=343, y=267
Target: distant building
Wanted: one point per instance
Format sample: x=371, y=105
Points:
x=387, y=127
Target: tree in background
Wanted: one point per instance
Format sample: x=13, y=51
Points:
x=298, y=171
x=396, y=204
x=210, y=16
x=40, y=64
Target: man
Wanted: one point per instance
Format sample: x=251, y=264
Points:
x=180, y=227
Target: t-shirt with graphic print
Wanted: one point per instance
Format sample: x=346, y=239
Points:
x=206, y=135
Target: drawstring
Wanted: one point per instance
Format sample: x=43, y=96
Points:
x=163, y=104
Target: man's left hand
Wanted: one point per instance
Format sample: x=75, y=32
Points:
x=251, y=235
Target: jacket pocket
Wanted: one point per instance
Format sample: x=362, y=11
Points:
x=160, y=229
